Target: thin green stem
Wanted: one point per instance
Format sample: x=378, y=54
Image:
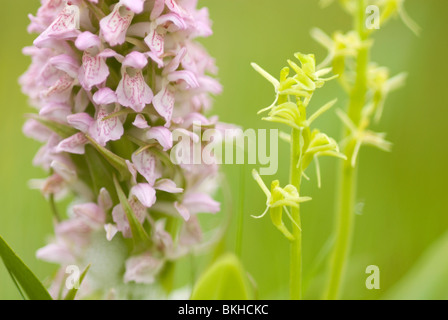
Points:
x=295, y=280
x=344, y=229
x=239, y=234
x=347, y=175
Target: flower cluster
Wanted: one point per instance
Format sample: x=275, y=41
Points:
x=343, y=50
x=293, y=96
x=111, y=80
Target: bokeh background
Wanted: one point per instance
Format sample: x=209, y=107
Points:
x=402, y=217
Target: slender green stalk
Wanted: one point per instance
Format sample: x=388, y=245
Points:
x=295, y=286
x=239, y=234
x=344, y=225
x=290, y=107
x=347, y=177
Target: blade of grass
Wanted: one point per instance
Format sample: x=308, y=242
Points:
x=30, y=284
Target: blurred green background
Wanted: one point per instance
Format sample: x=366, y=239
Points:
x=402, y=193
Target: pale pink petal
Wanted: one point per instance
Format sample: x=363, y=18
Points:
x=176, y=8
x=196, y=118
x=35, y=130
x=157, y=10
x=81, y=101
x=114, y=26
x=203, y=24
x=61, y=89
x=167, y=185
x=138, y=208
x=56, y=253
x=200, y=203
x=183, y=211
x=104, y=96
x=94, y=71
x=191, y=233
x=66, y=63
x=155, y=41
x=162, y=135
x=174, y=64
x=104, y=130
x=163, y=240
x=87, y=40
x=104, y=199
x=65, y=26
x=119, y=217
x=80, y=121
x=184, y=75
x=74, y=144
x=64, y=168
x=146, y=164
x=135, y=60
x=142, y=269
x=133, y=91
x=135, y=5
x=187, y=134
x=140, y=122
x=172, y=22
x=144, y=193
x=109, y=53
x=53, y=185
x=74, y=230
x=91, y=214
x=155, y=58
x=163, y=102
x=211, y=85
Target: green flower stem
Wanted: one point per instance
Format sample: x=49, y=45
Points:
x=344, y=228
x=347, y=177
x=296, y=245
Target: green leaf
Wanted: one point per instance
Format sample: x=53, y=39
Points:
x=224, y=280
x=100, y=172
x=30, y=284
x=71, y=294
x=428, y=278
x=60, y=129
x=115, y=161
x=139, y=235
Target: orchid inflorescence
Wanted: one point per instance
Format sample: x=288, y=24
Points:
x=342, y=52
x=293, y=96
x=111, y=80
x=367, y=86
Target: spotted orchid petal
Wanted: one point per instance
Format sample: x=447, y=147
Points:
x=167, y=185
x=114, y=26
x=74, y=144
x=140, y=122
x=133, y=91
x=135, y=6
x=106, y=129
x=65, y=26
x=162, y=135
x=163, y=102
x=145, y=194
x=146, y=164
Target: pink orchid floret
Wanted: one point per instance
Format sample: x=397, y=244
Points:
x=114, y=82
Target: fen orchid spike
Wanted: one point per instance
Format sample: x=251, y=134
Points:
x=293, y=93
x=367, y=85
